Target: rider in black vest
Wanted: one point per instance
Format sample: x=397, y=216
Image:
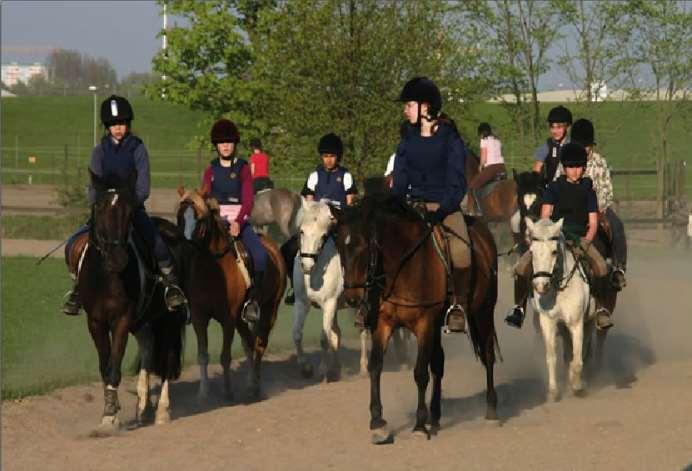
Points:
x=120, y=154
x=329, y=181
x=547, y=156
x=571, y=197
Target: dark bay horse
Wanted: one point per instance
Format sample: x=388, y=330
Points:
x=393, y=269
x=201, y=222
x=111, y=293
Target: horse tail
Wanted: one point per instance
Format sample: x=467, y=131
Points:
x=169, y=344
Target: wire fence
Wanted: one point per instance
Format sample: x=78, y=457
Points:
x=67, y=165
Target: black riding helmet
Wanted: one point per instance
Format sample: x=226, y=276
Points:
x=582, y=132
x=224, y=131
x=422, y=89
x=560, y=114
x=116, y=110
x=573, y=155
x=331, y=144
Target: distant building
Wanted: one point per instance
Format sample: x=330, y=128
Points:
x=13, y=73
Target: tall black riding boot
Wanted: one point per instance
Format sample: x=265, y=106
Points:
x=251, y=309
x=72, y=303
x=173, y=295
x=455, y=316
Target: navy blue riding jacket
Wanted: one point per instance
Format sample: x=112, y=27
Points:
x=432, y=168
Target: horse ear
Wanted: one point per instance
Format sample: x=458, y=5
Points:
x=181, y=190
x=559, y=224
x=529, y=223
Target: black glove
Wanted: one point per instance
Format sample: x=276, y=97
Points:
x=433, y=217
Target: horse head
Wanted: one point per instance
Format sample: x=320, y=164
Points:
x=316, y=225
x=529, y=189
x=547, y=247
x=112, y=215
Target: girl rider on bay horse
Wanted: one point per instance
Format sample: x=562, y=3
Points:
x=228, y=180
x=120, y=154
x=429, y=167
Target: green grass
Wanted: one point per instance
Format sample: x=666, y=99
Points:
x=58, y=131
x=39, y=227
x=42, y=349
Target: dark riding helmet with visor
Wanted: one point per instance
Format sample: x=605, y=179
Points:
x=582, y=132
x=224, y=130
x=331, y=144
x=422, y=90
x=560, y=114
x=116, y=110
x=573, y=155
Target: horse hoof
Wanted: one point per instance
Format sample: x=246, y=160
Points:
x=110, y=425
x=434, y=428
x=381, y=436
x=579, y=393
x=332, y=376
x=163, y=417
x=491, y=414
x=553, y=396
x=307, y=370
x=421, y=433
x=364, y=372
x=253, y=393
x=202, y=396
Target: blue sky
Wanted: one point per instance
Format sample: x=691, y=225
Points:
x=123, y=31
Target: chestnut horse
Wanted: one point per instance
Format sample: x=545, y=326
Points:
x=393, y=270
x=201, y=222
x=111, y=292
x=500, y=203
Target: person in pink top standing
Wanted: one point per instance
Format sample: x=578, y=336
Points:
x=229, y=181
x=492, y=164
x=259, y=167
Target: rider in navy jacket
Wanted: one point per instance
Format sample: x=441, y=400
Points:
x=119, y=154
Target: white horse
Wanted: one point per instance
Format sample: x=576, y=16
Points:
x=561, y=295
x=318, y=280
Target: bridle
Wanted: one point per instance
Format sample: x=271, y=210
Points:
x=323, y=240
x=556, y=279
x=103, y=243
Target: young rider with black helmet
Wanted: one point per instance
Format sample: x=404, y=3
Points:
x=119, y=154
x=597, y=170
x=429, y=167
x=228, y=179
x=329, y=181
x=571, y=197
x=547, y=156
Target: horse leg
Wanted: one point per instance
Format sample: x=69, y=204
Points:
x=400, y=348
x=378, y=426
x=300, y=312
x=145, y=343
x=330, y=342
x=576, y=365
x=110, y=420
x=489, y=363
x=163, y=410
x=549, y=328
x=200, y=326
x=364, y=335
x=437, y=368
x=421, y=374
x=225, y=358
x=250, y=341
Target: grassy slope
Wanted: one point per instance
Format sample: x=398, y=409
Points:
x=43, y=349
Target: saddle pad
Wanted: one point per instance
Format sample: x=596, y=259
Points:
x=229, y=212
x=241, y=258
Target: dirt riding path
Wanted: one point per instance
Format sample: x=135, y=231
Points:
x=636, y=415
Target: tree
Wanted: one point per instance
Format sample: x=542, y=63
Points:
x=72, y=72
x=206, y=62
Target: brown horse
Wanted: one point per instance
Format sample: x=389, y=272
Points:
x=111, y=292
x=199, y=218
x=393, y=270
x=500, y=203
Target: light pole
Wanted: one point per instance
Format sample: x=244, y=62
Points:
x=93, y=89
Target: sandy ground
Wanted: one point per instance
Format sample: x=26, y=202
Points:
x=635, y=416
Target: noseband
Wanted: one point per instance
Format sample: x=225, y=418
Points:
x=323, y=240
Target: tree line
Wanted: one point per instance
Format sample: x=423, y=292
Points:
x=71, y=72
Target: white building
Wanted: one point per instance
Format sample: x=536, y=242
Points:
x=14, y=72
